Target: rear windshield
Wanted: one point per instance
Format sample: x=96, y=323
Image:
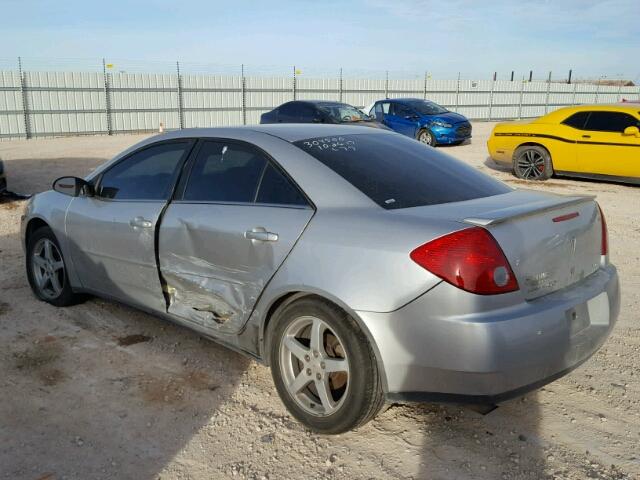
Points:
x=398, y=172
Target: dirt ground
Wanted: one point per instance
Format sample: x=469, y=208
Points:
x=101, y=391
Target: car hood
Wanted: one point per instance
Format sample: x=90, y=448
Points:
x=449, y=117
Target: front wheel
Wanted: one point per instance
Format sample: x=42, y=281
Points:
x=46, y=269
x=426, y=137
x=531, y=162
x=324, y=367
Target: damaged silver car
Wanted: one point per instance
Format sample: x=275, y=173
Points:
x=361, y=265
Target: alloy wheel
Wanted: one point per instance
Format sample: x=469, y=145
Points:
x=314, y=366
x=425, y=137
x=48, y=268
x=531, y=164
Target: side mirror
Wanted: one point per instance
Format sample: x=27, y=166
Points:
x=73, y=186
x=632, y=132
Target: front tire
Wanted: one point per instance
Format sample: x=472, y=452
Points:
x=323, y=367
x=47, y=270
x=426, y=137
x=532, y=162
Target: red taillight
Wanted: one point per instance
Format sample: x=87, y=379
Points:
x=605, y=234
x=470, y=259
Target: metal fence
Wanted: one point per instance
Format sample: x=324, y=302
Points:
x=46, y=103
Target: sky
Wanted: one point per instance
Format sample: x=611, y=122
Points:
x=593, y=37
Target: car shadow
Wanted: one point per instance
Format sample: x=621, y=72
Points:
x=498, y=167
x=158, y=384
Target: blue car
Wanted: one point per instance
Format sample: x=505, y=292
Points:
x=423, y=120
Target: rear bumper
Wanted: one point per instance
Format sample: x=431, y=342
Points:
x=434, y=349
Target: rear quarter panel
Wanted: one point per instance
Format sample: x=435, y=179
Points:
x=558, y=140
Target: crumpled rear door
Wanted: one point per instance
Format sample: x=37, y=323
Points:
x=216, y=259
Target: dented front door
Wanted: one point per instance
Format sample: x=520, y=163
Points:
x=216, y=259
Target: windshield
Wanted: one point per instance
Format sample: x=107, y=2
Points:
x=397, y=172
x=341, y=112
x=424, y=107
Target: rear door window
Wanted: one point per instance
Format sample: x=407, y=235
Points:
x=395, y=171
x=239, y=173
x=611, y=121
x=577, y=120
x=306, y=113
x=275, y=188
x=225, y=172
x=288, y=112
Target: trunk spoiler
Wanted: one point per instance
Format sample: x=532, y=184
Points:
x=502, y=215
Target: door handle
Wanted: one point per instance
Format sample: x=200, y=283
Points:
x=261, y=235
x=586, y=136
x=140, y=222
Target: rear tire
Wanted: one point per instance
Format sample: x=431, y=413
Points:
x=532, y=162
x=47, y=270
x=328, y=381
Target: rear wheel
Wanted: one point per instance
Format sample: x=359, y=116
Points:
x=426, y=137
x=532, y=162
x=323, y=367
x=46, y=269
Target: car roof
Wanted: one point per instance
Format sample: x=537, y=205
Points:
x=562, y=113
x=316, y=102
x=402, y=100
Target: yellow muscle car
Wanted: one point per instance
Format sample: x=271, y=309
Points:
x=590, y=141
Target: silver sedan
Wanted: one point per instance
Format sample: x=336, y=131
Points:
x=362, y=266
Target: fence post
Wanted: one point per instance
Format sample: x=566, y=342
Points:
x=243, y=95
x=458, y=93
x=597, y=91
x=340, y=86
x=521, y=97
x=26, y=118
x=573, y=97
x=493, y=86
x=179, y=89
x=386, y=84
x=619, y=99
x=426, y=74
x=107, y=99
x=294, y=82
x=546, y=100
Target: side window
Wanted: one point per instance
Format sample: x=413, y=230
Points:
x=146, y=175
x=401, y=110
x=288, y=112
x=277, y=189
x=306, y=113
x=380, y=109
x=577, y=120
x=225, y=172
x=611, y=122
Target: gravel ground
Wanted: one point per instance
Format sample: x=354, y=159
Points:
x=100, y=390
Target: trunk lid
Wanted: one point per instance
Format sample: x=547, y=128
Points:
x=551, y=241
